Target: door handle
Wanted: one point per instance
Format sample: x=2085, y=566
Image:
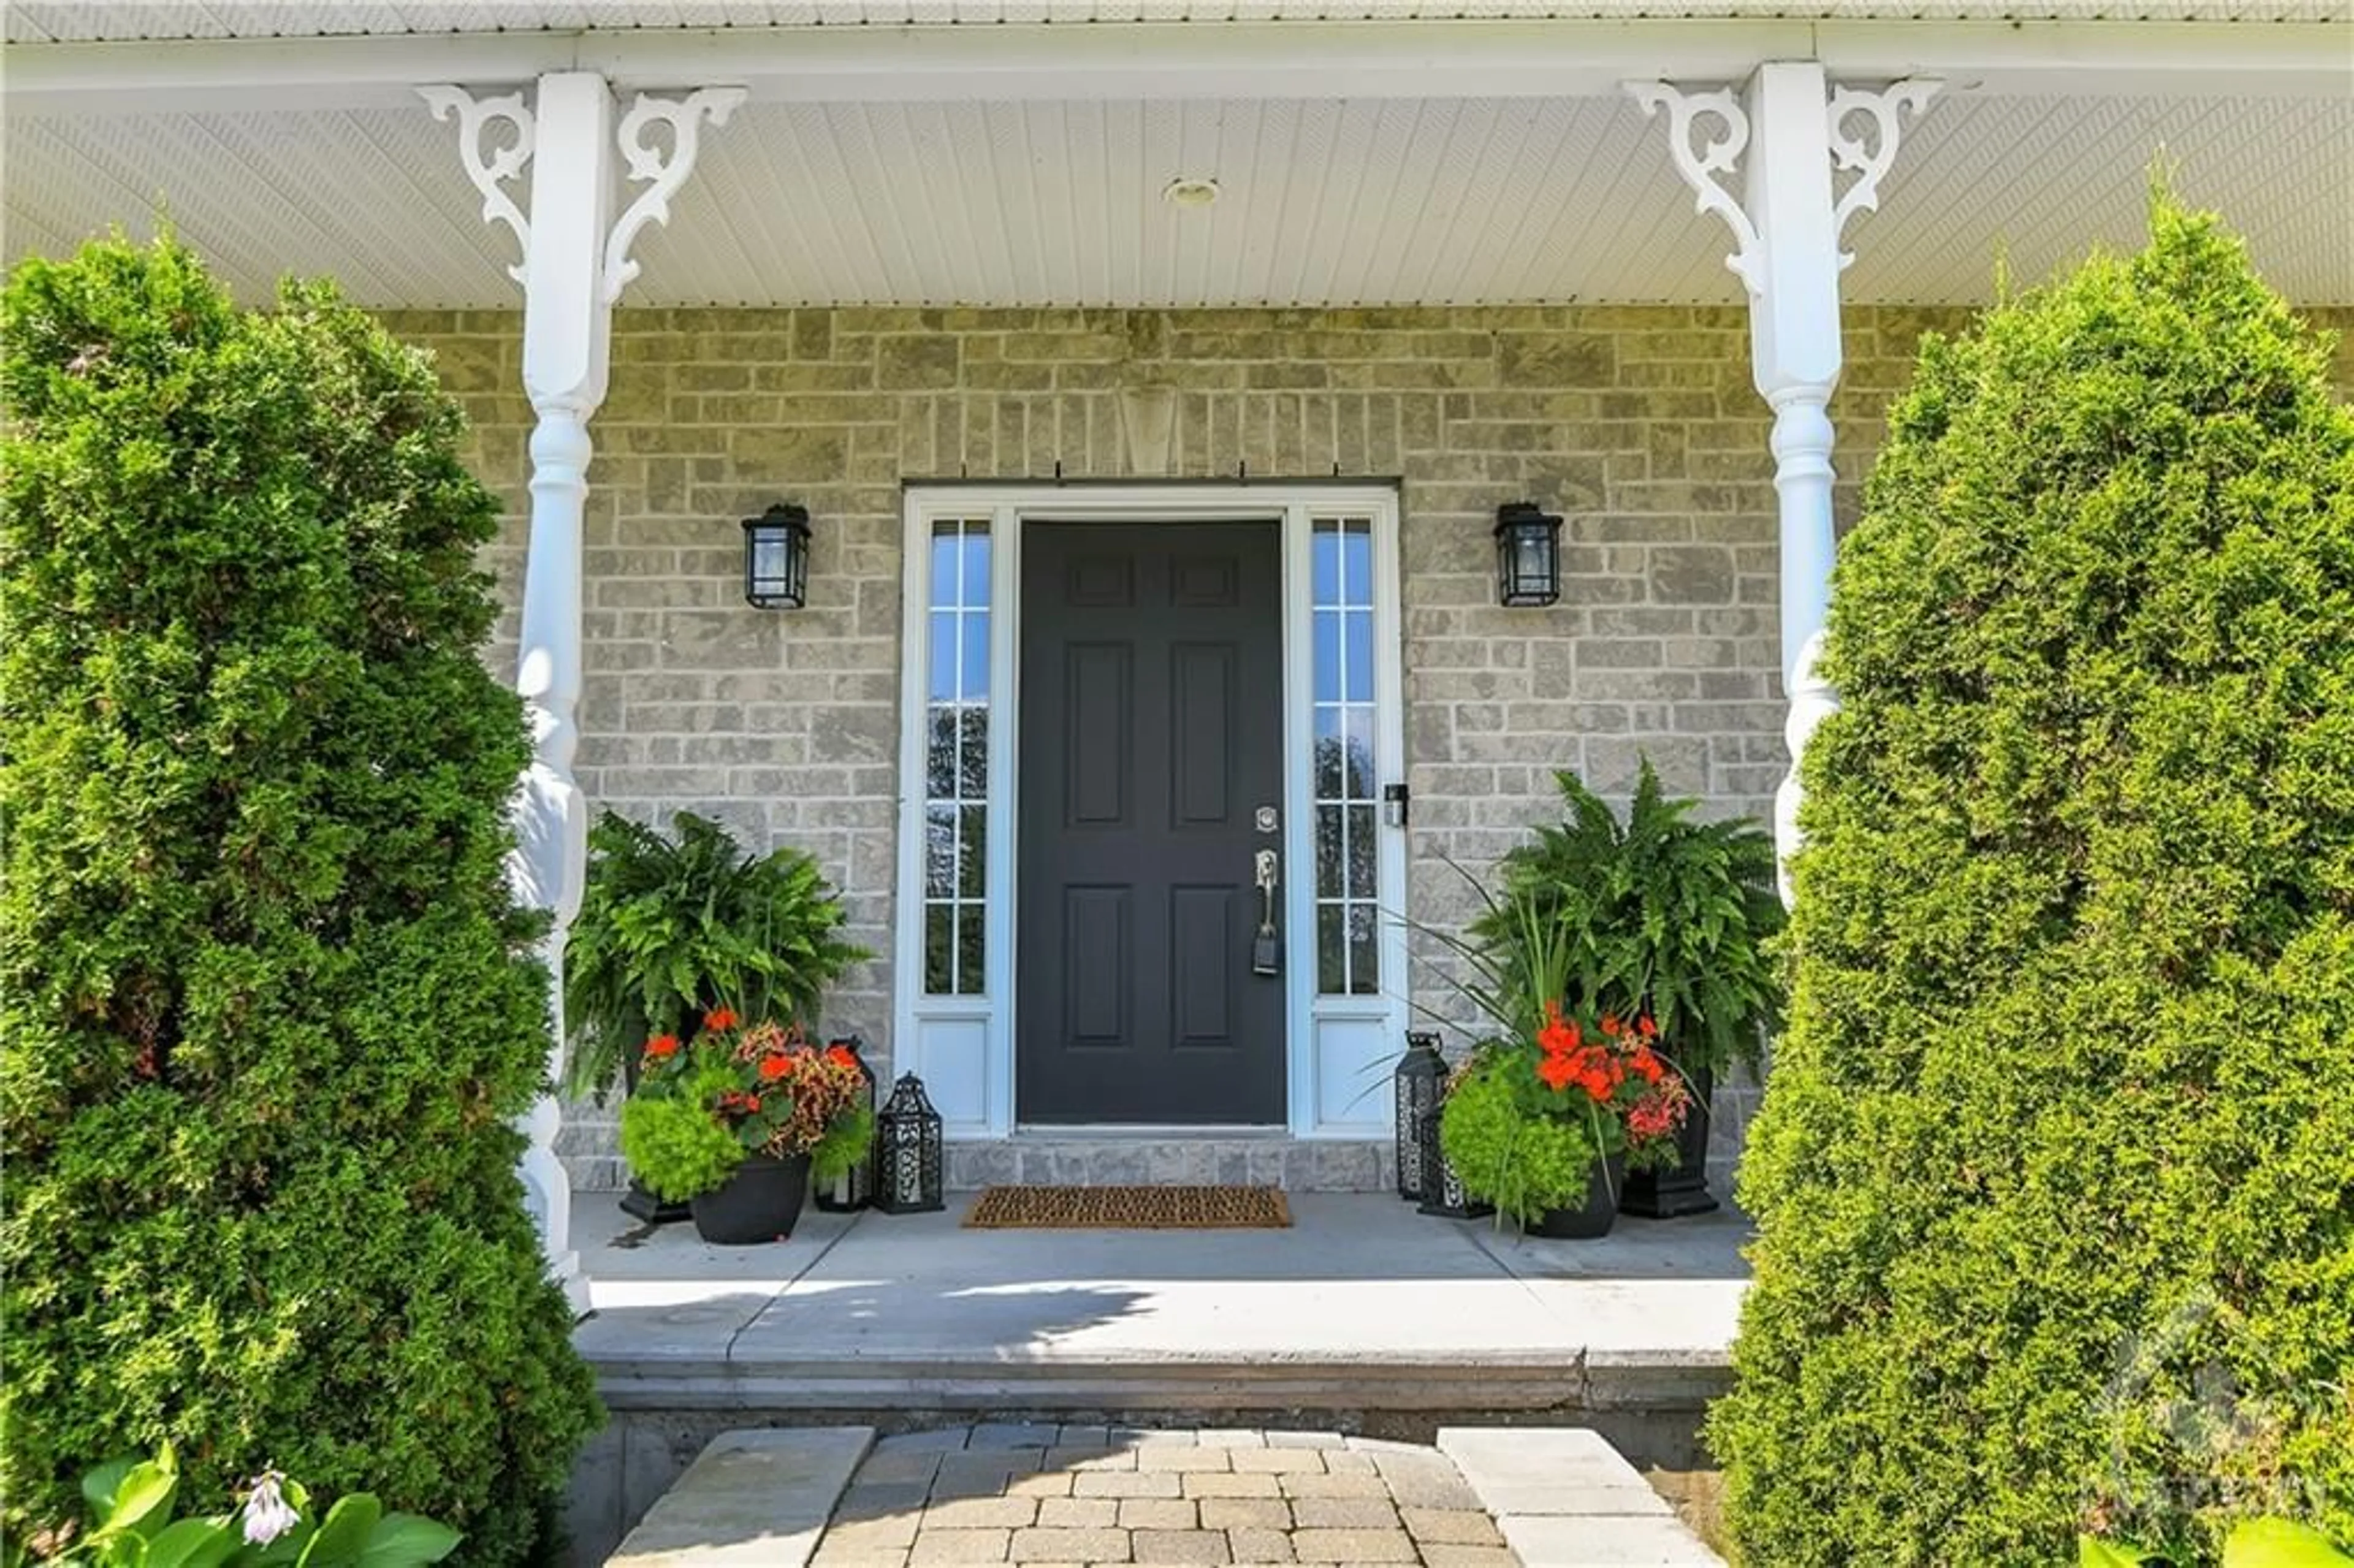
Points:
x=1266, y=948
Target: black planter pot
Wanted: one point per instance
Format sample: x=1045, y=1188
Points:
x=1596, y=1214
x=1682, y=1190
x=761, y=1203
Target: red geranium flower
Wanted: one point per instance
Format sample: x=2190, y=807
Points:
x=719, y=1018
x=1557, y=1038
x=661, y=1047
x=1645, y=1028
x=1556, y=1070
x=1610, y=1025
x=774, y=1067
x=840, y=1057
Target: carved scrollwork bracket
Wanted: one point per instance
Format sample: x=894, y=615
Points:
x=1709, y=164
x=490, y=160
x=490, y=167
x=667, y=173
x=1706, y=164
x=1869, y=157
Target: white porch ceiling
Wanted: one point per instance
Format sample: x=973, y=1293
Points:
x=62, y=21
x=1323, y=202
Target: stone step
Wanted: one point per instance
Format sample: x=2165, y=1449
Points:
x=592, y=1154
x=1564, y=1497
x=751, y=1499
x=1174, y=1160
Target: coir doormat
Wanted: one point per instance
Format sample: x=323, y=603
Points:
x=1130, y=1209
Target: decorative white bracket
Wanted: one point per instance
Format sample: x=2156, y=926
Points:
x=685, y=117
x=1870, y=161
x=490, y=167
x=1708, y=164
x=490, y=170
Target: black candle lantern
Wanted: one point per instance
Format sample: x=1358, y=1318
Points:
x=1528, y=555
x=855, y=1188
x=1421, y=1074
x=908, y=1151
x=1444, y=1194
x=776, y=557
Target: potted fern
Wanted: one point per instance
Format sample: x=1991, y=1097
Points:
x=1664, y=917
x=671, y=928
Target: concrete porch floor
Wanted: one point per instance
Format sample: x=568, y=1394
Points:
x=1362, y=1301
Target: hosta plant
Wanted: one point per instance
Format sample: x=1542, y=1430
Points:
x=130, y=1524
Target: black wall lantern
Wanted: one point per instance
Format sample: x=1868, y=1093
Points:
x=1528, y=555
x=776, y=557
x=1421, y=1075
x=908, y=1151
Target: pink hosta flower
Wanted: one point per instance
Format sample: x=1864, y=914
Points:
x=268, y=1514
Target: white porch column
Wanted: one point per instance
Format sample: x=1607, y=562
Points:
x=576, y=262
x=1786, y=229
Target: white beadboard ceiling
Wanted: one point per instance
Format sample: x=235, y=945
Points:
x=1323, y=202
x=65, y=21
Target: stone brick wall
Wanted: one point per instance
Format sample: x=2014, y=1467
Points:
x=1637, y=423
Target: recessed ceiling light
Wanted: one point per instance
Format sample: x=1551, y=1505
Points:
x=1183, y=192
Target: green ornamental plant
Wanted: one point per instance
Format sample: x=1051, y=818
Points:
x=270, y=1011
x=704, y=1105
x=670, y=925
x=1526, y=1121
x=2054, y=1176
x=1662, y=916
x=130, y=1525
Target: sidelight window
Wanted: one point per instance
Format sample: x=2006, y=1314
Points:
x=1347, y=789
x=955, y=760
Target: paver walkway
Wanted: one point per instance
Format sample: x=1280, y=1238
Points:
x=1065, y=1494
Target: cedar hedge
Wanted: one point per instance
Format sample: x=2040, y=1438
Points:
x=269, y=1007
x=2055, y=1177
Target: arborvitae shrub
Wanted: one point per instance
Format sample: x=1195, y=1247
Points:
x=268, y=1004
x=2055, y=1174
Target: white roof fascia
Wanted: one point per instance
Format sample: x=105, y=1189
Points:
x=1196, y=60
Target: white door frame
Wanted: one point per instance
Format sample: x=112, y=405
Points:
x=1336, y=1046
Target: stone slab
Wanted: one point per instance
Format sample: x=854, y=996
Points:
x=1564, y=1497
x=753, y=1499
x=1548, y=1470
x=1606, y=1542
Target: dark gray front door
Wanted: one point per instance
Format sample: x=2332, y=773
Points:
x=1151, y=734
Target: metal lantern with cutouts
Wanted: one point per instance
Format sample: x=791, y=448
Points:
x=1444, y=1195
x=908, y=1151
x=1415, y=1086
x=855, y=1188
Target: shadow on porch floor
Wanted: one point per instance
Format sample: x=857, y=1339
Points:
x=1360, y=1287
